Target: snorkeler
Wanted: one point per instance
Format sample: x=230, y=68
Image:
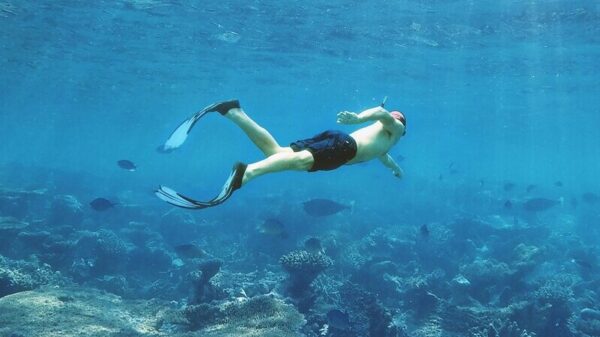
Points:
x=323, y=152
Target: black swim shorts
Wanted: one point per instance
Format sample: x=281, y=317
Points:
x=330, y=149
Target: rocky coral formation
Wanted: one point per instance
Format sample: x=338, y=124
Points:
x=65, y=210
x=303, y=267
x=60, y=312
x=264, y=315
x=17, y=276
x=203, y=290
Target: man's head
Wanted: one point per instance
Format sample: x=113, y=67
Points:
x=399, y=116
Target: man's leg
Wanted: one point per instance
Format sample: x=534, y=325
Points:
x=257, y=134
x=284, y=160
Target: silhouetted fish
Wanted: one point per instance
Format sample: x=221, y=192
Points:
x=539, y=204
x=530, y=188
x=126, y=165
x=101, y=204
x=323, y=207
x=590, y=198
x=272, y=226
x=509, y=187
x=338, y=319
x=558, y=183
x=583, y=263
x=424, y=231
x=400, y=158
x=313, y=246
x=189, y=251
x=574, y=202
x=507, y=204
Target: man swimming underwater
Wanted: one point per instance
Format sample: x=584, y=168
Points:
x=325, y=151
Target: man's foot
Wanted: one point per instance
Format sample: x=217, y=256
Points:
x=224, y=107
x=234, y=182
x=238, y=175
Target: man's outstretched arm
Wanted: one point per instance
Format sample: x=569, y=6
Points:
x=374, y=114
x=389, y=162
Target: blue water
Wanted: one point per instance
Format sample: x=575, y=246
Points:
x=493, y=91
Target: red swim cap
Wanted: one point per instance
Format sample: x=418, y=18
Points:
x=399, y=116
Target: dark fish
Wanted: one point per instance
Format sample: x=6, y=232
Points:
x=590, y=198
x=509, y=187
x=313, y=246
x=507, y=204
x=323, y=207
x=424, y=230
x=440, y=177
x=272, y=226
x=101, y=204
x=126, y=165
x=189, y=251
x=583, y=263
x=574, y=202
x=338, y=319
x=539, y=204
x=400, y=158
x=558, y=183
x=481, y=183
x=530, y=188
x=453, y=171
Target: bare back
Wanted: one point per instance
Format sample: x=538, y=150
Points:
x=375, y=140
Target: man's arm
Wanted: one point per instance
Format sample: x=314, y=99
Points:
x=389, y=162
x=374, y=114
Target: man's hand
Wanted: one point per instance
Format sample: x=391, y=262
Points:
x=347, y=117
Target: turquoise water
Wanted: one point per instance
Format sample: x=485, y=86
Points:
x=494, y=92
x=506, y=90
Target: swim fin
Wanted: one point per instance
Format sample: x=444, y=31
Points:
x=180, y=134
x=233, y=183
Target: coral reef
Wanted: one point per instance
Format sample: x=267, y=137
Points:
x=303, y=267
x=65, y=210
x=501, y=329
x=17, y=276
x=203, y=290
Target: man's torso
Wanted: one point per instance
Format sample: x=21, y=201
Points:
x=372, y=142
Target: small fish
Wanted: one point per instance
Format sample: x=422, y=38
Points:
x=590, y=198
x=189, y=251
x=530, y=188
x=273, y=227
x=539, y=204
x=400, y=158
x=127, y=165
x=424, y=231
x=441, y=177
x=508, y=204
x=338, y=319
x=313, y=246
x=481, y=183
x=323, y=207
x=453, y=171
x=101, y=204
x=558, y=183
x=509, y=187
